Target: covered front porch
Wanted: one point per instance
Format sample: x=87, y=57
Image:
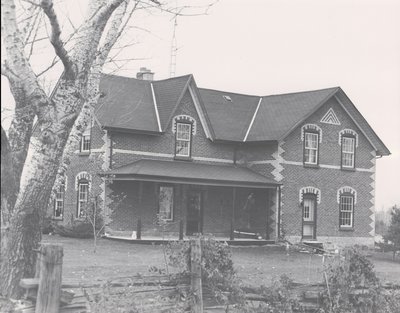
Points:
x=152, y=201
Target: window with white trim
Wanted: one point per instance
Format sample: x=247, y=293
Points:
x=346, y=207
x=85, y=141
x=59, y=202
x=183, y=139
x=166, y=203
x=348, y=151
x=311, y=146
x=83, y=196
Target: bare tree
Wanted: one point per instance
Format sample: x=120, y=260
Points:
x=32, y=155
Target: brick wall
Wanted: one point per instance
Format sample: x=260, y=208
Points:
x=83, y=162
x=328, y=178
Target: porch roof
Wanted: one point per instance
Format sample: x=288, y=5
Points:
x=191, y=173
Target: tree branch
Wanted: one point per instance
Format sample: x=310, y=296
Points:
x=62, y=53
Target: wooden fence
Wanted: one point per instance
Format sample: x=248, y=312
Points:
x=47, y=293
x=149, y=294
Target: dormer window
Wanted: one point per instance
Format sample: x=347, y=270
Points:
x=85, y=141
x=183, y=139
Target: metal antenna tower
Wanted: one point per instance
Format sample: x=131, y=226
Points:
x=174, y=50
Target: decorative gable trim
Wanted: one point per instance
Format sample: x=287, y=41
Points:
x=312, y=127
x=200, y=112
x=252, y=120
x=330, y=118
x=83, y=175
x=312, y=190
x=346, y=189
x=155, y=107
x=184, y=118
x=350, y=132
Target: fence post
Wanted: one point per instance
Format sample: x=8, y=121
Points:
x=195, y=278
x=48, y=298
x=181, y=230
x=139, y=229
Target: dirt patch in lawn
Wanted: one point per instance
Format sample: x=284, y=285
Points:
x=255, y=265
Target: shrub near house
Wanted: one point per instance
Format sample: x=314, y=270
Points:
x=302, y=164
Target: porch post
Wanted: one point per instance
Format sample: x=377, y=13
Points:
x=267, y=212
x=232, y=237
x=278, y=230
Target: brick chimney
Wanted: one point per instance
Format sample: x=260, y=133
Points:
x=145, y=74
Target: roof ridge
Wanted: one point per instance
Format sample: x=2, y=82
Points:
x=299, y=92
x=143, y=80
x=235, y=93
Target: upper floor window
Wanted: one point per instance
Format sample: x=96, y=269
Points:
x=348, y=151
x=166, y=203
x=59, y=201
x=348, y=139
x=183, y=139
x=311, y=146
x=85, y=141
x=311, y=134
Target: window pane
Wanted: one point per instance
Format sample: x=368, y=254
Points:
x=311, y=148
x=346, y=211
x=311, y=140
x=182, y=148
x=166, y=202
x=348, y=144
x=83, y=191
x=85, y=143
x=183, y=131
x=59, y=201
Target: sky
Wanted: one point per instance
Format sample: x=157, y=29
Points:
x=267, y=47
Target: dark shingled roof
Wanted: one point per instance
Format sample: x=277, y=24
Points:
x=183, y=171
x=168, y=93
x=127, y=103
x=231, y=118
x=278, y=114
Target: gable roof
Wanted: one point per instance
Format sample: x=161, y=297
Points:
x=229, y=113
x=168, y=94
x=149, y=106
x=279, y=114
x=362, y=123
x=126, y=103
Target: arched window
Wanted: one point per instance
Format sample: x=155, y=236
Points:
x=59, y=201
x=311, y=135
x=83, y=197
x=347, y=198
x=82, y=186
x=348, y=139
x=184, y=128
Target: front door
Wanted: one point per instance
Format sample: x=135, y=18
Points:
x=309, y=217
x=194, y=212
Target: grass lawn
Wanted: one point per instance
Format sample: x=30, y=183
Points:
x=255, y=265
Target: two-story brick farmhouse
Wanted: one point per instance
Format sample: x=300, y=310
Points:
x=298, y=165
